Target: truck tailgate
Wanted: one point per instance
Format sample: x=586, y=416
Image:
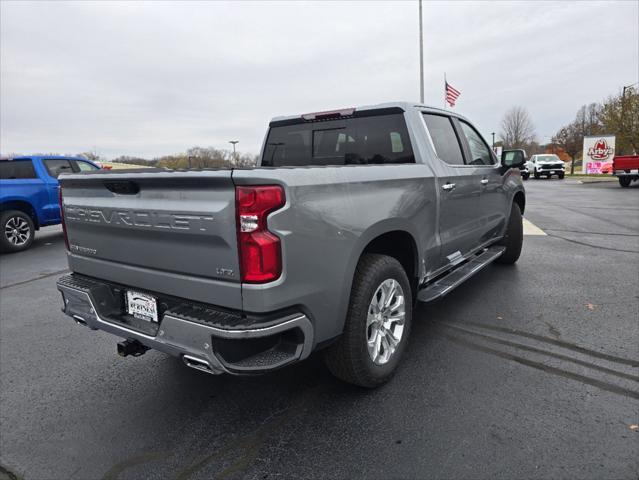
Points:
x=166, y=231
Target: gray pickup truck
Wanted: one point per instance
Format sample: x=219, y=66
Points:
x=350, y=218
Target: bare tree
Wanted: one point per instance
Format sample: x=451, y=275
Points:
x=570, y=139
x=587, y=120
x=92, y=155
x=518, y=130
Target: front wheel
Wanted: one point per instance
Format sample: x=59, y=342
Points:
x=624, y=181
x=514, y=237
x=536, y=174
x=377, y=324
x=524, y=176
x=561, y=176
x=17, y=231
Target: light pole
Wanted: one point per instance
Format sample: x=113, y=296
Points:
x=234, y=142
x=493, y=134
x=421, y=56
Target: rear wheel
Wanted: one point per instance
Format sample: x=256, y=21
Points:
x=624, y=181
x=17, y=231
x=514, y=237
x=377, y=323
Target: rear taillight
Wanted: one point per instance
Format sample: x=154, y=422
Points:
x=260, y=250
x=64, y=225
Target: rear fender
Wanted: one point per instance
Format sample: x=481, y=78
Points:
x=373, y=232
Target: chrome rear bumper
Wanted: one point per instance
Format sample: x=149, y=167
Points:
x=198, y=340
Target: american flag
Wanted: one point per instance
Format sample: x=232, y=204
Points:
x=451, y=94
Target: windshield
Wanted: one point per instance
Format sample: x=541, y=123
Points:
x=548, y=158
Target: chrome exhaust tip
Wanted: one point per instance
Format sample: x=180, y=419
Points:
x=199, y=364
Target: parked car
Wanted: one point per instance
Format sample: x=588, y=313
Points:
x=626, y=169
x=547, y=165
x=509, y=155
x=29, y=196
x=350, y=218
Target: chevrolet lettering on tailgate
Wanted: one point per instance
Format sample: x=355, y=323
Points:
x=138, y=218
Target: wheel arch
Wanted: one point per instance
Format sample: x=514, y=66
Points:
x=400, y=245
x=520, y=199
x=22, y=206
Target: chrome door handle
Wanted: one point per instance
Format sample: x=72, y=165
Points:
x=449, y=186
x=484, y=181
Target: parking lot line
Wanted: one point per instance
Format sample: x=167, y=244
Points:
x=532, y=229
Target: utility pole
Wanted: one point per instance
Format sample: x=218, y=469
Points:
x=493, y=134
x=421, y=56
x=623, y=103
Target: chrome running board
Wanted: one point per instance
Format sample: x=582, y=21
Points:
x=440, y=287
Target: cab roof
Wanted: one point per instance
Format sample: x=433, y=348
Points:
x=403, y=105
x=46, y=157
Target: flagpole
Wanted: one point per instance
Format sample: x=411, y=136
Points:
x=421, y=56
x=445, y=90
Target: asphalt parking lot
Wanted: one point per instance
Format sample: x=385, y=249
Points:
x=529, y=371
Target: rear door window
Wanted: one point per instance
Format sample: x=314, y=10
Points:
x=444, y=138
x=17, y=169
x=56, y=166
x=364, y=140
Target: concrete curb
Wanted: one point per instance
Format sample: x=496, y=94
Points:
x=601, y=180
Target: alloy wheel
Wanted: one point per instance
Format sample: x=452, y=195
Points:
x=385, y=321
x=17, y=231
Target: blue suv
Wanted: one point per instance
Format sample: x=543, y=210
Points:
x=29, y=196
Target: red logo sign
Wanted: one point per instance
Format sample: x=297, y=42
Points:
x=601, y=150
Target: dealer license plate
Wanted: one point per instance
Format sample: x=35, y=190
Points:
x=142, y=306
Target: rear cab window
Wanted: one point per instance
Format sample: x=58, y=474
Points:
x=18, y=169
x=365, y=138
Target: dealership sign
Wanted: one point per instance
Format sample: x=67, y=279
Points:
x=598, y=153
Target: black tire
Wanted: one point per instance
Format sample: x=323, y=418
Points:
x=625, y=181
x=514, y=237
x=348, y=359
x=8, y=238
x=536, y=174
x=561, y=176
x=525, y=176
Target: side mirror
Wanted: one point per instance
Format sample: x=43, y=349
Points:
x=513, y=159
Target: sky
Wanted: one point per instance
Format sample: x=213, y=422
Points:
x=150, y=79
